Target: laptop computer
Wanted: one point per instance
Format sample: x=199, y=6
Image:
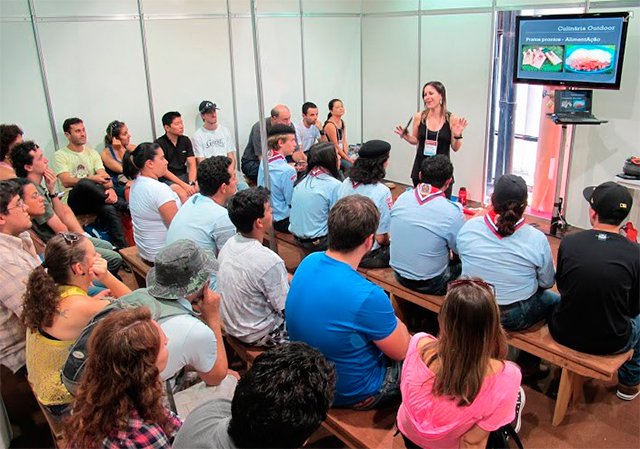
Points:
x=574, y=107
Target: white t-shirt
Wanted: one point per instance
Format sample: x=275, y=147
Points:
x=146, y=198
x=208, y=143
x=306, y=136
x=190, y=342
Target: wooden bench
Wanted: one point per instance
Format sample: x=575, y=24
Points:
x=138, y=266
x=576, y=366
x=244, y=352
x=364, y=429
x=55, y=423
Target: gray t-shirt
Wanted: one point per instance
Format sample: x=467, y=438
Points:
x=253, y=283
x=206, y=427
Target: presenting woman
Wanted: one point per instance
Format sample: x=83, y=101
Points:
x=152, y=203
x=435, y=130
x=119, y=399
x=451, y=401
x=57, y=308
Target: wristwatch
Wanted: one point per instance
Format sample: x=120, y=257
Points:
x=192, y=183
x=54, y=195
x=458, y=137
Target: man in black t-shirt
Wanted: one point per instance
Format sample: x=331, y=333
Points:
x=598, y=276
x=178, y=151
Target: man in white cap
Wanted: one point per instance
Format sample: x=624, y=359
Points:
x=212, y=138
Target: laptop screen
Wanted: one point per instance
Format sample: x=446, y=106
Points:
x=573, y=101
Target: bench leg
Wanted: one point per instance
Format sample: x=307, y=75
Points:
x=140, y=280
x=570, y=390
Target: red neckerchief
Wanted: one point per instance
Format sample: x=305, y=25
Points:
x=275, y=156
x=317, y=171
x=426, y=192
x=490, y=221
x=354, y=184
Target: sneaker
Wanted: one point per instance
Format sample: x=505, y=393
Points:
x=519, y=406
x=627, y=393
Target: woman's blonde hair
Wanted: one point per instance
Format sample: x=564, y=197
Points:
x=470, y=336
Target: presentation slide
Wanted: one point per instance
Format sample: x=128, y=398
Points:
x=578, y=50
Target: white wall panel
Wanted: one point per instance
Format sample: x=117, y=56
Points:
x=14, y=8
x=95, y=72
x=74, y=8
x=332, y=6
x=332, y=68
x=599, y=151
x=462, y=61
x=23, y=101
x=382, y=6
x=390, y=83
x=189, y=62
x=173, y=7
x=454, y=4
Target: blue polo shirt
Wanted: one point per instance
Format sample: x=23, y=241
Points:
x=516, y=265
x=333, y=308
x=313, y=197
x=282, y=177
x=203, y=221
x=424, y=226
x=379, y=194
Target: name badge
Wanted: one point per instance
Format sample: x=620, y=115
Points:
x=430, y=148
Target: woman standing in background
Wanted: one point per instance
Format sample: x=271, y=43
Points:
x=435, y=130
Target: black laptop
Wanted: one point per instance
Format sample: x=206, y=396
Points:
x=574, y=107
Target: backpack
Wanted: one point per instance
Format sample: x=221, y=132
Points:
x=499, y=439
x=78, y=352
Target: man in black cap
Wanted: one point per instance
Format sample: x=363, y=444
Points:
x=365, y=178
x=598, y=277
x=213, y=138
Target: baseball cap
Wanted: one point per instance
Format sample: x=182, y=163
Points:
x=207, y=106
x=179, y=270
x=509, y=188
x=610, y=200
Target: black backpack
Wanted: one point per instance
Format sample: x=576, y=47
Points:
x=499, y=439
x=78, y=352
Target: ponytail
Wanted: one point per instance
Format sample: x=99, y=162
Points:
x=133, y=161
x=40, y=300
x=508, y=216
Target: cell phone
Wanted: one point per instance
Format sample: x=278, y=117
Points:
x=406, y=128
x=59, y=195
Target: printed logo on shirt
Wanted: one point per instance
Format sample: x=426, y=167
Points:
x=214, y=143
x=389, y=202
x=80, y=171
x=602, y=236
x=425, y=193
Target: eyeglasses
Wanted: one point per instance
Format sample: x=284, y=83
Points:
x=35, y=195
x=19, y=205
x=478, y=282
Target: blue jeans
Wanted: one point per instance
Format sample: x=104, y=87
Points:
x=389, y=390
x=436, y=285
x=524, y=314
x=629, y=372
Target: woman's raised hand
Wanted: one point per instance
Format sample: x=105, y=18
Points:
x=458, y=124
x=401, y=131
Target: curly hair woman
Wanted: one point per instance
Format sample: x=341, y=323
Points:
x=57, y=308
x=457, y=388
x=365, y=178
x=119, y=399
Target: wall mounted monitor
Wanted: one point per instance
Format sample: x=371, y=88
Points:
x=573, y=50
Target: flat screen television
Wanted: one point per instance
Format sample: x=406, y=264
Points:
x=573, y=50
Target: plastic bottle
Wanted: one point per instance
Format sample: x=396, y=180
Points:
x=462, y=196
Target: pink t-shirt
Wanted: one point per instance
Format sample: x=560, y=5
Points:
x=437, y=421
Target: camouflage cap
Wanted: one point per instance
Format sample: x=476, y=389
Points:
x=180, y=269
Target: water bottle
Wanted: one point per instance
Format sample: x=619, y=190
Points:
x=462, y=196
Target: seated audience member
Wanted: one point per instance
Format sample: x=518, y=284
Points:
x=309, y=129
x=19, y=258
x=252, y=279
x=57, y=308
x=598, y=278
x=119, y=399
x=31, y=164
x=515, y=257
x=250, y=163
x=314, y=196
x=178, y=151
x=477, y=393
x=212, y=138
x=152, y=203
x=365, y=178
x=117, y=140
x=204, y=218
x=279, y=402
x=282, y=176
x=424, y=225
x=180, y=278
x=10, y=136
x=349, y=319
x=80, y=170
